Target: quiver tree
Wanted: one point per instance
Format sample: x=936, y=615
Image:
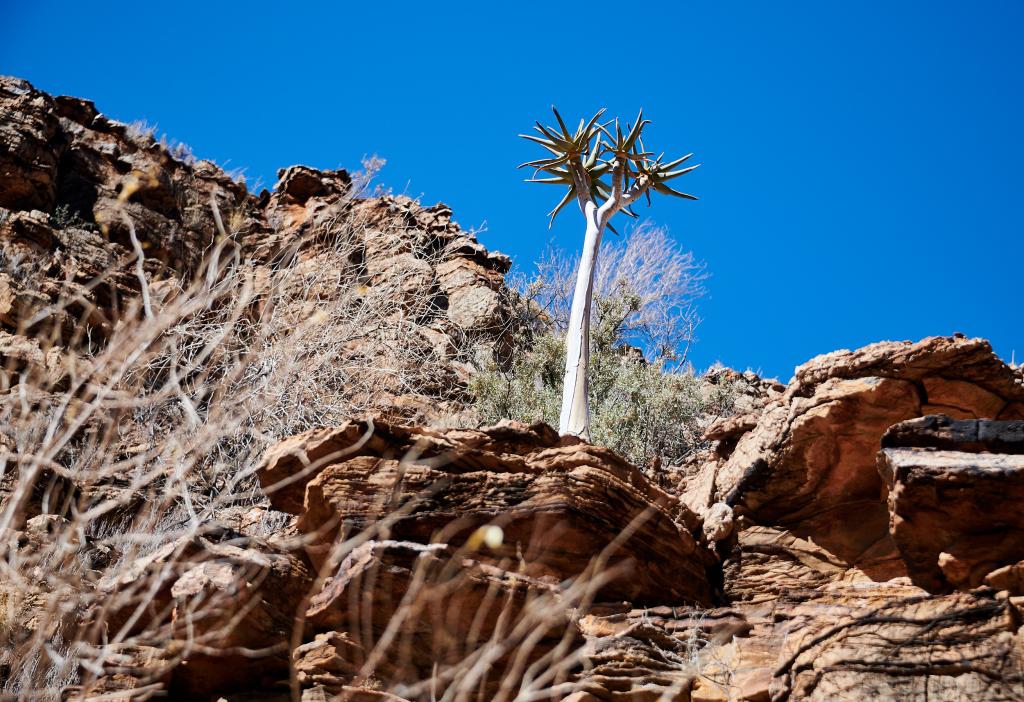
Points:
x=605, y=172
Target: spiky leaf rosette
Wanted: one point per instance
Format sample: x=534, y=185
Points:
x=563, y=144
x=628, y=147
x=658, y=172
x=588, y=148
x=582, y=146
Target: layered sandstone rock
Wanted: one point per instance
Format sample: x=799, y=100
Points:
x=955, y=489
x=894, y=642
x=662, y=653
x=808, y=463
x=510, y=510
x=826, y=524
x=559, y=503
x=828, y=631
x=814, y=552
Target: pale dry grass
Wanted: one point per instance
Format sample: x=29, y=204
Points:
x=646, y=401
x=137, y=464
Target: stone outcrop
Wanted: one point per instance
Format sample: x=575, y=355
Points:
x=850, y=498
x=854, y=534
x=827, y=631
x=558, y=502
x=658, y=652
x=808, y=463
x=896, y=643
x=954, y=494
x=769, y=637
x=75, y=185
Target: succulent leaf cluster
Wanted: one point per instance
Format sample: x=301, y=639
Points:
x=595, y=150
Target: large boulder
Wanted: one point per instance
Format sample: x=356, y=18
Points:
x=955, y=504
x=473, y=543
x=834, y=507
x=808, y=463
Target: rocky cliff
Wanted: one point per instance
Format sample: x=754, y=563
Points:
x=76, y=188
x=219, y=480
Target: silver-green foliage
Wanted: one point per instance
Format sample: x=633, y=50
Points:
x=646, y=411
x=649, y=409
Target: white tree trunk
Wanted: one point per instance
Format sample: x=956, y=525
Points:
x=575, y=416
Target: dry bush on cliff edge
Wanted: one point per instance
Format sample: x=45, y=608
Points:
x=646, y=402
x=137, y=464
x=661, y=281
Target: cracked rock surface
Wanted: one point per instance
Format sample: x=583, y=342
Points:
x=853, y=535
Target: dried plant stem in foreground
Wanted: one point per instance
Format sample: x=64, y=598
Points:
x=136, y=537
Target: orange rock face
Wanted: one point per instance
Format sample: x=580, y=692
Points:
x=954, y=513
x=808, y=464
x=855, y=535
x=558, y=503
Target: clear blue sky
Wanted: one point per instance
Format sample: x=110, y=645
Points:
x=863, y=173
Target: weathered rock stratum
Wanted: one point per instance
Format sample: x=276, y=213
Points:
x=227, y=471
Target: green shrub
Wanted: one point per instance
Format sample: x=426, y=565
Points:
x=647, y=403
x=63, y=217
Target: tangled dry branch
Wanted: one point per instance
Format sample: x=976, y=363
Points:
x=136, y=535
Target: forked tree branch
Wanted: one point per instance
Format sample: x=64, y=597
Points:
x=634, y=193
x=620, y=198
x=611, y=205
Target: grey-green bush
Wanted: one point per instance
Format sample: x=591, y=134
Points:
x=647, y=403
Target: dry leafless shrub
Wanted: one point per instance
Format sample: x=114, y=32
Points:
x=135, y=464
x=646, y=401
x=661, y=281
